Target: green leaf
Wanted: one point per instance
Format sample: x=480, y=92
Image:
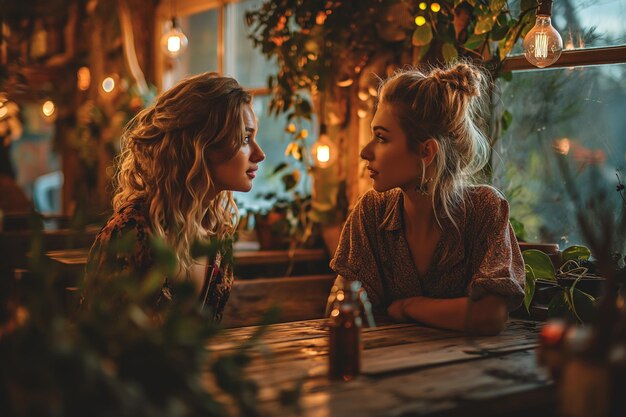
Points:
x=507, y=118
x=583, y=305
x=289, y=181
x=576, y=253
x=279, y=168
x=485, y=24
x=500, y=29
x=475, y=41
x=449, y=52
x=422, y=35
x=540, y=264
x=497, y=5
x=518, y=227
x=558, y=306
x=529, y=289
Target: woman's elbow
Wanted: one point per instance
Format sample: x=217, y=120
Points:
x=490, y=316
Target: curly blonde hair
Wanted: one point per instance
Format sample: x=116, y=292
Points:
x=165, y=157
x=443, y=104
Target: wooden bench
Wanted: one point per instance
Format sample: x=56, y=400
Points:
x=298, y=298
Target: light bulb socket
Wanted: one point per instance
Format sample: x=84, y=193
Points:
x=174, y=21
x=544, y=8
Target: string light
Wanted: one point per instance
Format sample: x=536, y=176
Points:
x=84, y=78
x=423, y=6
x=420, y=20
x=435, y=7
x=108, y=84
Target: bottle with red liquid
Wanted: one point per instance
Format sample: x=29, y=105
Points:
x=347, y=302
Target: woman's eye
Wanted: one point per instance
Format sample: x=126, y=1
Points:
x=379, y=139
x=246, y=140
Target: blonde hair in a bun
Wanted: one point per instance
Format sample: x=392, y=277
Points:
x=443, y=104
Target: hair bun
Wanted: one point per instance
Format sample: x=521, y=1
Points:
x=462, y=77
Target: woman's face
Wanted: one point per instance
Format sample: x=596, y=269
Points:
x=237, y=173
x=390, y=162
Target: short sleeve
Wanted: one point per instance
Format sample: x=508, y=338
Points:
x=499, y=267
x=356, y=258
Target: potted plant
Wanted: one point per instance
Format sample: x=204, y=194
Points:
x=569, y=291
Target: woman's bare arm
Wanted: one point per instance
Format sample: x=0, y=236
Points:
x=487, y=316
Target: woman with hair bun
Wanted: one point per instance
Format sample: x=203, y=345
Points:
x=181, y=159
x=427, y=244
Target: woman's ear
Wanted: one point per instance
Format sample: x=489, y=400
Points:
x=428, y=150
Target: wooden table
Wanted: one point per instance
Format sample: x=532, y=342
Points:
x=408, y=370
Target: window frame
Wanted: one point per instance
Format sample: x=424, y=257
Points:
x=572, y=58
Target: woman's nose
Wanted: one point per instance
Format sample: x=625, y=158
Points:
x=258, y=155
x=366, y=152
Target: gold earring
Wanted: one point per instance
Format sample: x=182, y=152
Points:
x=422, y=186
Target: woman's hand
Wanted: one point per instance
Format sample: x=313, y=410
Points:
x=396, y=311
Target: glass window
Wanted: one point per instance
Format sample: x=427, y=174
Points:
x=242, y=60
x=585, y=24
x=575, y=112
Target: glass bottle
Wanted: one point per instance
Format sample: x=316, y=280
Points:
x=348, y=301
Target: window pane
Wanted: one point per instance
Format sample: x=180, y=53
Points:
x=201, y=55
x=243, y=61
x=585, y=24
x=576, y=112
x=273, y=140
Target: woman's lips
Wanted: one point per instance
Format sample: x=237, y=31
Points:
x=251, y=173
x=372, y=172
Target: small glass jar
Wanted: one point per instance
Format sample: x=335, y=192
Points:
x=348, y=301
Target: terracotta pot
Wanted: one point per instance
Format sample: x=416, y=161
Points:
x=270, y=238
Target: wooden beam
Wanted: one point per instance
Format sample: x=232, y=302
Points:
x=573, y=58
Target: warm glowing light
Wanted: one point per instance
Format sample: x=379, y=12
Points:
x=435, y=7
x=420, y=20
x=335, y=312
x=84, y=78
x=562, y=146
x=363, y=95
x=108, y=84
x=291, y=128
x=48, y=108
x=423, y=6
x=340, y=296
x=3, y=111
x=320, y=18
x=174, y=42
x=543, y=44
x=362, y=113
x=323, y=153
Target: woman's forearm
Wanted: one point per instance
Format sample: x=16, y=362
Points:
x=486, y=316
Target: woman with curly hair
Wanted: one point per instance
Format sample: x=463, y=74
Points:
x=427, y=243
x=181, y=159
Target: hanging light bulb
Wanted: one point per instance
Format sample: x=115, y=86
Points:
x=323, y=150
x=173, y=41
x=543, y=44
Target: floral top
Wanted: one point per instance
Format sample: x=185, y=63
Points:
x=132, y=219
x=483, y=258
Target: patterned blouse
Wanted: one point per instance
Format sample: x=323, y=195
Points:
x=483, y=258
x=132, y=219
